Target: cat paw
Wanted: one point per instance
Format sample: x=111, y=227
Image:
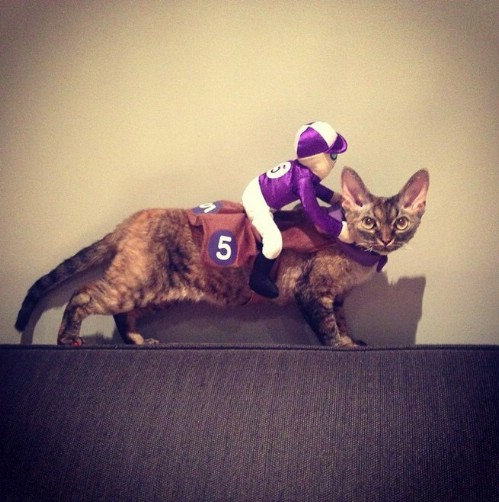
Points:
x=345, y=342
x=71, y=341
x=354, y=344
x=138, y=339
x=351, y=345
x=151, y=341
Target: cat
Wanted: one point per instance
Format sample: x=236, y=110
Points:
x=153, y=261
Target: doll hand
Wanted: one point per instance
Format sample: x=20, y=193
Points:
x=336, y=198
x=345, y=234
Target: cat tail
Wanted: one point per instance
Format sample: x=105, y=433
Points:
x=97, y=253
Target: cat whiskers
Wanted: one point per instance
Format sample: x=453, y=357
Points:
x=366, y=248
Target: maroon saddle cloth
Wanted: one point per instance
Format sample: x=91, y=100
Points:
x=230, y=240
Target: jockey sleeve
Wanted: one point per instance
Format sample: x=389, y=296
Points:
x=290, y=182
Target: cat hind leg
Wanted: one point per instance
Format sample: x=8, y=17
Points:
x=126, y=324
x=99, y=297
x=69, y=330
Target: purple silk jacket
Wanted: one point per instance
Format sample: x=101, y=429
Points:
x=289, y=182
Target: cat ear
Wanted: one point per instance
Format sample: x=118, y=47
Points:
x=353, y=190
x=413, y=195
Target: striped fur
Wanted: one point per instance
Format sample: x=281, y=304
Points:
x=153, y=261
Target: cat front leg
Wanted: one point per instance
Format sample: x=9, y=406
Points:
x=319, y=312
x=339, y=315
x=341, y=322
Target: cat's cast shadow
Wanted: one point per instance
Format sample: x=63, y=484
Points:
x=382, y=313
x=378, y=312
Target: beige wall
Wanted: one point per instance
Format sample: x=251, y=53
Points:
x=110, y=107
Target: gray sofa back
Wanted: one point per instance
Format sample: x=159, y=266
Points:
x=208, y=423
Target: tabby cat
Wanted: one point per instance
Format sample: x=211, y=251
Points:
x=154, y=261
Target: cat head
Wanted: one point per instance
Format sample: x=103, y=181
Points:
x=383, y=224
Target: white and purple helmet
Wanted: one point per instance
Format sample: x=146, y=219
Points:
x=318, y=137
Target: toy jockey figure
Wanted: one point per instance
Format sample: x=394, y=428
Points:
x=317, y=146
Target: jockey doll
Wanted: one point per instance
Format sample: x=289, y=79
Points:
x=317, y=146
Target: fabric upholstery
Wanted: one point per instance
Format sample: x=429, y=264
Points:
x=208, y=423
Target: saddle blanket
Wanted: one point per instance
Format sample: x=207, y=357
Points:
x=230, y=240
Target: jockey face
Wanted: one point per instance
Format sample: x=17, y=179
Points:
x=321, y=164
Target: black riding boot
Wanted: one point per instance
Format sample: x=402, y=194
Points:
x=260, y=281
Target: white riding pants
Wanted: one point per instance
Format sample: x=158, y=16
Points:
x=260, y=215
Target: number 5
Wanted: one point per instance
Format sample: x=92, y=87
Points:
x=222, y=248
x=225, y=251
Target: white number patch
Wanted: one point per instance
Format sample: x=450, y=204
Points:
x=207, y=207
x=279, y=170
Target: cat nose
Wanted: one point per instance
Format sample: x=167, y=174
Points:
x=386, y=237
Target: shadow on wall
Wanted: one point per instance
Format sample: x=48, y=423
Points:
x=379, y=313
x=263, y=323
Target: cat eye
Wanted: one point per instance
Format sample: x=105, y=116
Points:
x=368, y=222
x=401, y=223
